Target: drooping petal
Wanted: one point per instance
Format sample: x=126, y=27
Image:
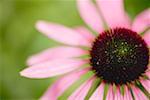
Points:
x=99, y=93
x=110, y=93
x=90, y=14
x=61, y=33
x=118, y=95
x=138, y=94
x=146, y=84
x=114, y=13
x=86, y=33
x=62, y=84
x=56, y=53
x=127, y=94
x=82, y=91
x=52, y=68
x=142, y=21
x=147, y=37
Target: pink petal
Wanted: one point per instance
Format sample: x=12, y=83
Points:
x=146, y=84
x=52, y=68
x=142, y=21
x=118, y=95
x=61, y=33
x=62, y=84
x=56, y=53
x=147, y=37
x=110, y=93
x=127, y=94
x=113, y=13
x=90, y=14
x=98, y=94
x=138, y=94
x=85, y=33
x=148, y=73
x=82, y=91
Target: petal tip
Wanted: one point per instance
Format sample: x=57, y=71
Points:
x=25, y=73
x=22, y=73
x=40, y=24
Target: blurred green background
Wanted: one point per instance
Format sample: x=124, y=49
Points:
x=20, y=39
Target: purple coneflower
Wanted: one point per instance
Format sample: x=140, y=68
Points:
x=118, y=56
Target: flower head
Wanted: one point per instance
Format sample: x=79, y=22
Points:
x=118, y=56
